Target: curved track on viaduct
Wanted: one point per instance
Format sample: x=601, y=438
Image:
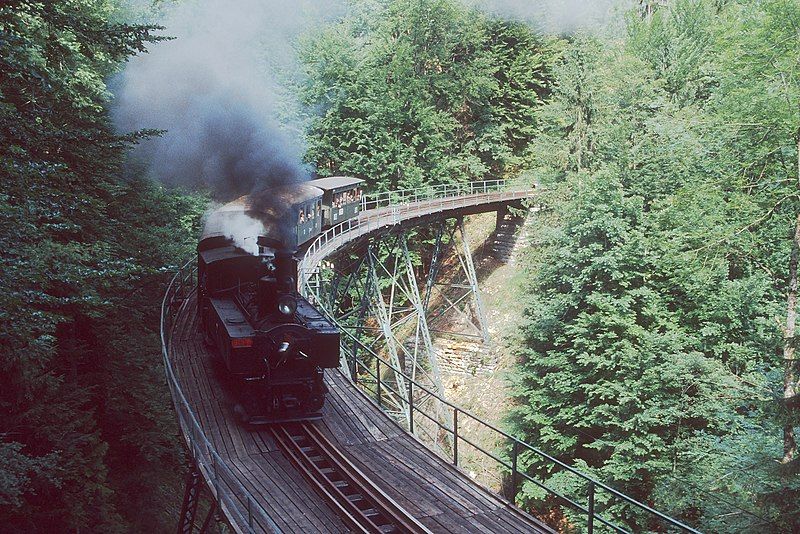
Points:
x=262, y=486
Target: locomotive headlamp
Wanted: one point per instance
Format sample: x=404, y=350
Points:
x=287, y=305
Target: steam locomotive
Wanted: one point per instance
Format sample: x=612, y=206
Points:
x=273, y=343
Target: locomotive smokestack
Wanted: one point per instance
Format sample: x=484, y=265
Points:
x=286, y=270
x=286, y=278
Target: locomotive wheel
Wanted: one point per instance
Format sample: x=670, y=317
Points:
x=316, y=397
x=241, y=414
x=316, y=400
x=209, y=329
x=208, y=337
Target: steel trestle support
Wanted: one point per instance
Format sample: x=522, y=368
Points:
x=372, y=291
x=191, y=499
x=459, y=294
x=472, y=276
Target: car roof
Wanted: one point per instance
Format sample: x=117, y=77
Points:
x=273, y=198
x=270, y=208
x=335, y=182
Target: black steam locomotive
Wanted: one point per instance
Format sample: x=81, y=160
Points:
x=269, y=339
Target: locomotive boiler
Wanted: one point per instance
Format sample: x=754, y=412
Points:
x=273, y=343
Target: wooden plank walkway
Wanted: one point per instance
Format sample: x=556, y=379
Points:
x=438, y=494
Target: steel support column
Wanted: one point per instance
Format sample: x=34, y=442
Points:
x=433, y=271
x=472, y=277
x=422, y=331
x=385, y=324
x=460, y=292
x=422, y=322
x=191, y=498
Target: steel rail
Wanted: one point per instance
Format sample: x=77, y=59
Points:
x=362, y=504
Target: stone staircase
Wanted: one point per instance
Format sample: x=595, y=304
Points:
x=511, y=235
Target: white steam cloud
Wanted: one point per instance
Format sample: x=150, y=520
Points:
x=559, y=16
x=244, y=231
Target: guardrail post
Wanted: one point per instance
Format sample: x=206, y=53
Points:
x=216, y=478
x=214, y=463
x=378, y=378
x=354, y=370
x=514, y=475
x=193, y=439
x=455, y=436
x=411, y=406
x=590, y=525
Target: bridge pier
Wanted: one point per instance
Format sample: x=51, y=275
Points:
x=460, y=293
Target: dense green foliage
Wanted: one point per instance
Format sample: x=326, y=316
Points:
x=415, y=92
x=87, y=438
x=406, y=93
x=652, y=353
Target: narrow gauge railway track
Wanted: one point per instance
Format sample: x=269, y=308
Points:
x=360, y=503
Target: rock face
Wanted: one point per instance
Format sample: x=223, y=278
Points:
x=465, y=357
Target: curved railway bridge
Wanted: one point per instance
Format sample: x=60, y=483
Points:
x=360, y=468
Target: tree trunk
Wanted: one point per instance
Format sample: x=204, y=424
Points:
x=790, y=378
x=789, y=374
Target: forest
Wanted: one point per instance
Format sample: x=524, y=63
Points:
x=658, y=346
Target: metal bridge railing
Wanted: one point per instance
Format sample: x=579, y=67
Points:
x=386, y=209
x=245, y=514
x=431, y=192
x=378, y=387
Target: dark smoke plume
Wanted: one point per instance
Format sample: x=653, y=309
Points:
x=214, y=89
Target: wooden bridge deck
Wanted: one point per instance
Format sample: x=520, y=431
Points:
x=436, y=493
